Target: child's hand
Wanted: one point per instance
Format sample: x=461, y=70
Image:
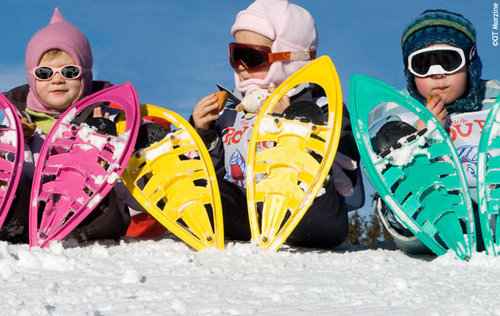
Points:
x=435, y=104
x=98, y=113
x=282, y=104
x=205, y=112
x=101, y=122
x=341, y=181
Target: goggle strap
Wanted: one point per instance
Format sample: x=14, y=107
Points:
x=469, y=53
x=296, y=55
x=472, y=52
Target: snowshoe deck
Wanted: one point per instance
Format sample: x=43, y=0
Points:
x=11, y=156
x=78, y=166
x=174, y=180
x=282, y=181
x=488, y=181
x=421, y=177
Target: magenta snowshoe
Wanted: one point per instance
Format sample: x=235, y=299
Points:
x=11, y=156
x=78, y=166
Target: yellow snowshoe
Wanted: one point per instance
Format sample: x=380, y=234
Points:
x=174, y=180
x=283, y=180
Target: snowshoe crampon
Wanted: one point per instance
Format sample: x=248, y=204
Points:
x=78, y=166
x=488, y=180
x=11, y=156
x=174, y=180
x=283, y=180
x=420, y=178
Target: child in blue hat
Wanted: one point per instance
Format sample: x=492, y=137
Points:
x=443, y=72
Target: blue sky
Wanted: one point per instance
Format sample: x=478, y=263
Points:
x=174, y=52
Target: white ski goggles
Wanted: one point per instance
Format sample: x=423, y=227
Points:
x=437, y=60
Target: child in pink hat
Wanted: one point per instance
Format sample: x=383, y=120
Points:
x=288, y=33
x=59, y=73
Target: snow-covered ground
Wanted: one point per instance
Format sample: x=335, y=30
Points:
x=166, y=277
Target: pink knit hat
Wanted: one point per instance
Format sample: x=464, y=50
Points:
x=59, y=34
x=290, y=27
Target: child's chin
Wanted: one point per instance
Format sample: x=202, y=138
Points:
x=60, y=107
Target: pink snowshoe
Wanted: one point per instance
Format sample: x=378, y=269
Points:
x=11, y=156
x=78, y=166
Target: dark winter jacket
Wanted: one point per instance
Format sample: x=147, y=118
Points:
x=232, y=127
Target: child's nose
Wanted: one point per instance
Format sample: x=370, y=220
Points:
x=241, y=68
x=438, y=76
x=58, y=77
x=243, y=73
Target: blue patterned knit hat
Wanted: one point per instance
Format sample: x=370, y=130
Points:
x=445, y=27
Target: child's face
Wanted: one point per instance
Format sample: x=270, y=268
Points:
x=249, y=37
x=58, y=93
x=449, y=86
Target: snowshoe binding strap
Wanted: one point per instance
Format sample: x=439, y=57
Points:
x=304, y=111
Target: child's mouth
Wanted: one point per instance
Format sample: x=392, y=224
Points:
x=59, y=91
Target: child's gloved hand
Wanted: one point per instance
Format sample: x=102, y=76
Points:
x=97, y=112
x=28, y=129
x=341, y=181
x=101, y=122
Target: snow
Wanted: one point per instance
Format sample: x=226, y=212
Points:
x=166, y=277
x=69, y=115
x=8, y=137
x=98, y=179
x=85, y=147
x=96, y=199
x=268, y=125
x=301, y=130
x=152, y=153
x=118, y=145
x=113, y=177
x=88, y=135
x=9, y=115
x=58, y=133
x=406, y=154
x=124, y=136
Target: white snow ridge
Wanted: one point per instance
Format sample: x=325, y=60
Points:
x=166, y=277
